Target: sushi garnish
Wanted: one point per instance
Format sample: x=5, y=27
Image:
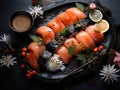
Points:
x=55, y=63
x=80, y=6
x=95, y=15
x=46, y=54
x=60, y=39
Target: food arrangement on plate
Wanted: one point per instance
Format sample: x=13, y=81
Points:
x=63, y=37
x=67, y=39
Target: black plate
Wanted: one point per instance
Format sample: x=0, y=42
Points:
x=50, y=12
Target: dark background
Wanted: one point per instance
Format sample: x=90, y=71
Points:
x=14, y=78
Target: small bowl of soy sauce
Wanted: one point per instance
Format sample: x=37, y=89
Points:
x=21, y=21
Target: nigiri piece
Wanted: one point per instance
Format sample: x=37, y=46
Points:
x=85, y=39
x=64, y=54
x=95, y=35
x=65, y=18
x=35, y=50
x=56, y=25
x=73, y=17
x=75, y=13
x=32, y=61
x=46, y=33
x=73, y=42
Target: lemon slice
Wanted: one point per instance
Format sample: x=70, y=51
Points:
x=95, y=15
x=103, y=26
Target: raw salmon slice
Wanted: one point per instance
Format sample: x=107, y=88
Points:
x=56, y=25
x=73, y=17
x=36, y=48
x=85, y=39
x=31, y=60
x=75, y=12
x=34, y=52
x=96, y=36
x=65, y=18
x=73, y=42
x=64, y=54
x=46, y=33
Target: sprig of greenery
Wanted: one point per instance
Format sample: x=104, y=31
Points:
x=35, y=39
x=64, y=31
x=71, y=50
x=86, y=55
x=80, y=6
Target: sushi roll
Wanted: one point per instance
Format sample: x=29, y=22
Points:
x=32, y=56
x=65, y=19
x=84, y=38
x=55, y=63
x=75, y=14
x=96, y=36
x=74, y=43
x=36, y=48
x=56, y=25
x=64, y=54
x=46, y=33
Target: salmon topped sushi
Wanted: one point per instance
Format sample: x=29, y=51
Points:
x=94, y=34
x=36, y=48
x=56, y=25
x=65, y=18
x=64, y=54
x=84, y=38
x=46, y=33
x=74, y=43
x=34, y=52
x=75, y=14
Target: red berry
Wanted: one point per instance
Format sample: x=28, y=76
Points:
x=23, y=54
x=34, y=72
x=28, y=75
x=22, y=66
x=6, y=51
x=96, y=49
x=100, y=48
x=13, y=50
x=24, y=49
x=29, y=72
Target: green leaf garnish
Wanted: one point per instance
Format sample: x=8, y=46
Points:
x=88, y=50
x=81, y=57
x=71, y=50
x=80, y=6
x=64, y=31
x=34, y=38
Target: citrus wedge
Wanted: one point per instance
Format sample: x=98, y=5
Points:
x=95, y=15
x=103, y=26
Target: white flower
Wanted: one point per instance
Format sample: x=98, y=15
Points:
x=109, y=73
x=36, y=11
x=7, y=60
x=55, y=63
x=5, y=38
